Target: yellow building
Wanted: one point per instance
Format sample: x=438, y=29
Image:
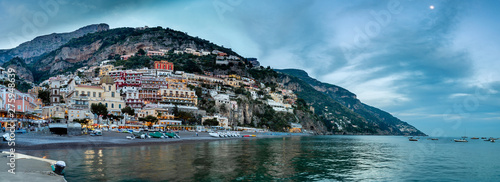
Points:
x=105, y=94
x=182, y=96
x=105, y=70
x=34, y=91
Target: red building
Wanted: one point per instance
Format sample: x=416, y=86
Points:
x=164, y=65
x=126, y=78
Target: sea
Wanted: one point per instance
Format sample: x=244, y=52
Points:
x=306, y=158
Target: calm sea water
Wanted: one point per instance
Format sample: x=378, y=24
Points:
x=314, y=158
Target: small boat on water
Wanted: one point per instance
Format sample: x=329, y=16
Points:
x=460, y=140
x=474, y=138
x=434, y=139
x=412, y=139
x=483, y=137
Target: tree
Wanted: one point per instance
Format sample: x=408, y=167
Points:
x=129, y=111
x=82, y=121
x=184, y=116
x=45, y=96
x=151, y=119
x=211, y=122
x=223, y=108
x=141, y=52
x=176, y=110
x=99, y=109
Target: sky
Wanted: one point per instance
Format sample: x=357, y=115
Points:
x=431, y=63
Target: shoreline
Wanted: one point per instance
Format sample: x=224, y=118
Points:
x=113, y=139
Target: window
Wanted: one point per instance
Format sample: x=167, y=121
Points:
x=19, y=107
x=88, y=93
x=77, y=93
x=93, y=94
x=112, y=94
x=99, y=94
x=112, y=105
x=106, y=104
x=109, y=88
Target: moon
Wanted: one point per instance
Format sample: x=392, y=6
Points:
x=431, y=7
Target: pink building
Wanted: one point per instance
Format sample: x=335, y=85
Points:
x=23, y=102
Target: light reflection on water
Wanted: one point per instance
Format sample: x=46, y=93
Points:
x=337, y=158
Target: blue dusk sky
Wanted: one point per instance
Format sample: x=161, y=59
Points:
x=431, y=63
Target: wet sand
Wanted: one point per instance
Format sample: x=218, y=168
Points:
x=37, y=141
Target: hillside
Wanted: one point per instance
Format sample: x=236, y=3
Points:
x=322, y=108
x=383, y=122
x=46, y=43
x=91, y=48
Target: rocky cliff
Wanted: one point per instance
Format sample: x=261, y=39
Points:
x=46, y=43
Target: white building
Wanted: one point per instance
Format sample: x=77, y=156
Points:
x=279, y=106
x=221, y=99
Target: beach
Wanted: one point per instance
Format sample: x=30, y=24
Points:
x=39, y=141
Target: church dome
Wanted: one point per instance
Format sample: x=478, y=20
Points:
x=107, y=80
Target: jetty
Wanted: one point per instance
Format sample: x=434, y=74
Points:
x=28, y=168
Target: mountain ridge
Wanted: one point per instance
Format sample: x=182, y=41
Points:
x=46, y=43
x=384, y=120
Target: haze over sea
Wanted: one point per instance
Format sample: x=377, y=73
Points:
x=330, y=158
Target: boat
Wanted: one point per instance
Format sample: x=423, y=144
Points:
x=96, y=132
x=141, y=135
x=460, y=140
x=492, y=141
x=172, y=135
x=474, y=138
x=483, y=137
x=412, y=139
x=434, y=139
x=213, y=134
x=6, y=137
x=157, y=135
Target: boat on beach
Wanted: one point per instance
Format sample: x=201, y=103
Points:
x=224, y=134
x=6, y=137
x=96, y=132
